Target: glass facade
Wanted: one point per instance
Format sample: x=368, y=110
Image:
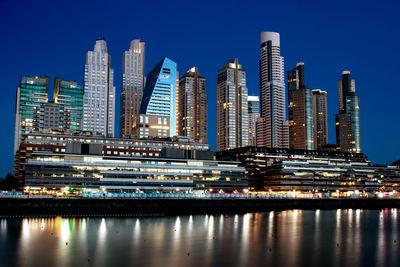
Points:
x=159, y=96
x=133, y=174
x=69, y=95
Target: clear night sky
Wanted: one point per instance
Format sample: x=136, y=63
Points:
x=51, y=38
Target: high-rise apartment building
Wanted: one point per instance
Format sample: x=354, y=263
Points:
x=34, y=112
x=99, y=91
x=232, y=107
x=254, y=114
x=301, y=125
x=320, y=113
x=132, y=85
x=272, y=126
x=348, y=132
x=192, y=99
x=160, y=93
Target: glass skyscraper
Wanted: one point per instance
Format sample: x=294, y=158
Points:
x=34, y=111
x=69, y=95
x=301, y=125
x=32, y=93
x=160, y=93
x=348, y=131
x=254, y=114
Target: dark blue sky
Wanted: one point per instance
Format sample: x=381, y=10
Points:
x=51, y=38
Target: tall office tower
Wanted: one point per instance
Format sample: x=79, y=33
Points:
x=34, y=111
x=99, y=97
x=160, y=93
x=193, y=106
x=132, y=85
x=254, y=113
x=232, y=109
x=31, y=94
x=271, y=127
x=320, y=113
x=301, y=126
x=69, y=96
x=348, y=132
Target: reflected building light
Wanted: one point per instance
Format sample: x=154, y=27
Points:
x=190, y=224
x=3, y=227
x=64, y=234
x=42, y=225
x=102, y=231
x=26, y=233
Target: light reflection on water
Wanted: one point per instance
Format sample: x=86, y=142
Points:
x=350, y=237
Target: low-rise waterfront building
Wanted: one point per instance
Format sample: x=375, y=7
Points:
x=334, y=173
x=90, y=171
x=57, y=142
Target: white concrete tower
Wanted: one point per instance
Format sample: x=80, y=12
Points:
x=99, y=91
x=271, y=127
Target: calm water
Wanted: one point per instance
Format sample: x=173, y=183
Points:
x=286, y=238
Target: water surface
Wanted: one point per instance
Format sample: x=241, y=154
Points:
x=287, y=238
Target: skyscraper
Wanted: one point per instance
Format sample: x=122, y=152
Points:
x=69, y=96
x=254, y=114
x=31, y=94
x=301, y=126
x=232, y=108
x=132, y=85
x=348, y=132
x=34, y=112
x=159, y=96
x=272, y=125
x=193, y=106
x=320, y=113
x=99, y=91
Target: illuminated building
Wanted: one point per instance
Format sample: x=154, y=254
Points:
x=132, y=85
x=301, y=125
x=254, y=114
x=99, y=91
x=34, y=111
x=232, y=107
x=192, y=121
x=91, y=172
x=284, y=170
x=145, y=126
x=348, y=132
x=160, y=93
x=272, y=126
x=320, y=113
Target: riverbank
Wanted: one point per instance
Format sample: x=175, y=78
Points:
x=159, y=207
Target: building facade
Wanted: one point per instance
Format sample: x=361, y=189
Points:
x=330, y=173
x=272, y=127
x=34, y=111
x=148, y=126
x=348, y=131
x=69, y=96
x=301, y=118
x=320, y=113
x=192, y=121
x=133, y=81
x=160, y=93
x=232, y=107
x=99, y=91
x=254, y=113
x=90, y=172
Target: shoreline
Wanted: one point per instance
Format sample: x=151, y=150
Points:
x=164, y=207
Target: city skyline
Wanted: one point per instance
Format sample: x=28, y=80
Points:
x=323, y=75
